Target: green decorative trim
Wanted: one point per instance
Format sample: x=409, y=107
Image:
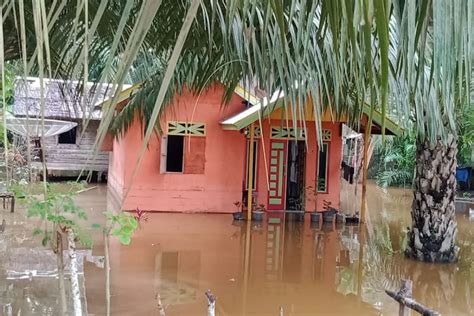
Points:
x=257, y=132
x=327, y=134
x=273, y=220
x=277, y=145
x=272, y=193
x=274, y=201
x=277, y=132
x=322, y=185
x=186, y=129
x=280, y=173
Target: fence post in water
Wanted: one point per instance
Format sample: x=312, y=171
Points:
x=60, y=263
x=161, y=309
x=403, y=297
x=75, y=289
x=211, y=303
x=407, y=291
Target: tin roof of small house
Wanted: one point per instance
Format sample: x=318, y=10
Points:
x=265, y=106
x=63, y=99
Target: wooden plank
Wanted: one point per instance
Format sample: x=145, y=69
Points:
x=194, y=155
x=250, y=175
x=70, y=167
x=76, y=157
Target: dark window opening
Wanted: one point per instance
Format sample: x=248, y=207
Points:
x=68, y=137
x=322, y=184
x=174, y=153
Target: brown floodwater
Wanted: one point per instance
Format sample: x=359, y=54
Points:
x=254, y=269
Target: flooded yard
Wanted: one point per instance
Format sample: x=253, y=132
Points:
x=253, y=269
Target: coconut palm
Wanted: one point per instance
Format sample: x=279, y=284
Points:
x=413, y=58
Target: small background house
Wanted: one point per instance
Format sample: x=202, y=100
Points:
x=68, y=153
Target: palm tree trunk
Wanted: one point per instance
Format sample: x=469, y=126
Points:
x=434, y=228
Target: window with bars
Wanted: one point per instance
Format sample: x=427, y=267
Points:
x=323, y=168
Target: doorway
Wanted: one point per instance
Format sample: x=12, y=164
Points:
x=287, y=175
x=295, y=182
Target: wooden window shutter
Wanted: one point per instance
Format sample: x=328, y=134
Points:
x=194, y=155
x=163, y=153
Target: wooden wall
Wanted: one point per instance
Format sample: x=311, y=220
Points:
x=70, y=159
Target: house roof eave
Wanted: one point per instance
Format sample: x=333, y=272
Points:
x=264, y=108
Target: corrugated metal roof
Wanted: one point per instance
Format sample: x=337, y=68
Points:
x=63, y=98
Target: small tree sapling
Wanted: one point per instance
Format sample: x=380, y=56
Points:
x=60, y=215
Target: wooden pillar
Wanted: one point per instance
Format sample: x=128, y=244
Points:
x=247, y=251
x=360, y=267
x=364, y=172
x=250, y=171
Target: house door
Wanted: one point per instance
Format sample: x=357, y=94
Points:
x=295, y=184
x=277, y=193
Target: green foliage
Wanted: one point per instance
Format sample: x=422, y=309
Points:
x=2, y=133
x=8, y=85
x=121, y=225
x=395, y=162
x=465, y=131
x=58, y=208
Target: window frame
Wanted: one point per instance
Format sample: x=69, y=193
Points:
x=326, y=189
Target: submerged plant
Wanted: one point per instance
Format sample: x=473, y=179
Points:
x=140, y=216
x=238, y=206
x=121, y=225
x=60, y=216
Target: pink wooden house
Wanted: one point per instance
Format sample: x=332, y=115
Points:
x=200, y=163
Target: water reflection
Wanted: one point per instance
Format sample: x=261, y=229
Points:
x=307, y=269
x=254, y=268
x=177, y=276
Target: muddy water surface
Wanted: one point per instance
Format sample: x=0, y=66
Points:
x=256, y=269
